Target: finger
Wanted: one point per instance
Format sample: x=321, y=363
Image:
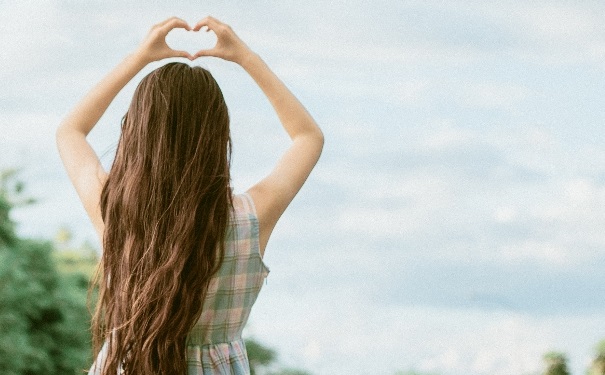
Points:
x=169, y=20
x=175, y=23
x=210, y=22
x=205, y=52
x=200, y=24
x=165, y=21
x=200, y=28
x=162, y=23
x=184, y=54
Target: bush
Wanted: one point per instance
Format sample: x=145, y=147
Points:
x=43, y=314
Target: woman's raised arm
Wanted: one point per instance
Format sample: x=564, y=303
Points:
x=80, y=161
x=273, y=194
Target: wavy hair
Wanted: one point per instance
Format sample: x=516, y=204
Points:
x=166, y=206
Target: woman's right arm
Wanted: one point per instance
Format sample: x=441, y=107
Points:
x=273, y=194
x=79, y=158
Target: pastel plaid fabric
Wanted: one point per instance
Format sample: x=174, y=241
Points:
x=215, y=345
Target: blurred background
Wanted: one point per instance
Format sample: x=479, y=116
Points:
x=454, y=224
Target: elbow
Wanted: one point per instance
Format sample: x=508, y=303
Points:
x=317, y=140
x=65, y=135
x=312, y=137
x=65, y=129
x=61, y=133
x=320, y=138
x=316, y=135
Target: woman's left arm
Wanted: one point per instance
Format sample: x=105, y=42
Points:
x=80, y=161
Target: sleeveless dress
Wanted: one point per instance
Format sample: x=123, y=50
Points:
x=215, y=345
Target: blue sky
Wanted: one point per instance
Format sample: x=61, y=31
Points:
x=454, y=222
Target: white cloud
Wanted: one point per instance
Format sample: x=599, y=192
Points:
x=31, y=31
x=557, y=33
x=443, y=158
x=570, y=22
x=447, y=137
x=532, y=250
x=450, y=341
x=449, y=361
x=505, y=214
x=494, y=95
x=28, y=141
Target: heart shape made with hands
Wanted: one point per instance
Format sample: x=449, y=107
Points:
x=190, y=41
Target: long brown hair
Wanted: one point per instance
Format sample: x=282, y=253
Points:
x=166, y=207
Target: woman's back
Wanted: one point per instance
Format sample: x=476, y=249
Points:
x=215, y=345
x=168, y=301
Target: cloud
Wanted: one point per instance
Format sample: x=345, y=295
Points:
x=554, y=33
x=571, y=22
x=26, y=37
x=498, y=96
x=455, y=212
x=452, y=341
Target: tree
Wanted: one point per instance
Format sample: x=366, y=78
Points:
x=43, y=315
x=556, y=363
x=10, y=196
x=44, y=321
x=262, y=357
x=290, y=371
x=598, y=364
x=258, y=355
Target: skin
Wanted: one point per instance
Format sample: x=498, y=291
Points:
x=271, y=195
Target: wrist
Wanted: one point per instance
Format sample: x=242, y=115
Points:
x=139, y=58
x=248, y=59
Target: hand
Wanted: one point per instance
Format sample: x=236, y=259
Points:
x=228, y=45
x=154, y=46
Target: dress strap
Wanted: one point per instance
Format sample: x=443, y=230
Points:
x=248, y=204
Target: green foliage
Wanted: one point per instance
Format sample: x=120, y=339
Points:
x=290, y=371
x=7, y=226
x=43, y=315
x=598, y=364
x=556, y=363
x=258, y=355
x=78, y=262
x=43, y=291
x=601, y=348
x=261, y=357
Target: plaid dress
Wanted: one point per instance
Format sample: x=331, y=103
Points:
x=215, y=345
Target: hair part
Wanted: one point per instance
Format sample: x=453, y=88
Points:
x=166, y=206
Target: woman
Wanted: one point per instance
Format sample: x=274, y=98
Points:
x=182, y=256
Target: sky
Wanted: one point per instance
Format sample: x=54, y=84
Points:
x=454, y=221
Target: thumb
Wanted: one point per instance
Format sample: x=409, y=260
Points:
x=205, y=52
x=184, y=54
